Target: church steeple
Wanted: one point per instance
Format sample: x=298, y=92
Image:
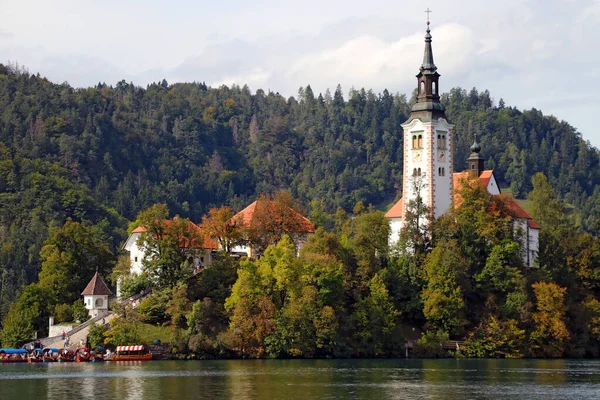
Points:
x=428, y=106
x=475, y=160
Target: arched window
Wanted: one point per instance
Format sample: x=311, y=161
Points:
x=420, y=144
x=433, y=88
x=422, y=87
x=415, y=172
x=439, y=171
x=414, y=141
x=443, y=171
x=99, y=303
x=439, y=141
x=443, y=141
x=419, y=171
x=472, y=166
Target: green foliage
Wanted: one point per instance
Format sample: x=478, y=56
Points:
x=152, y=309
x=131, y=285
x=70, y=257
x=63, y=313
x=443, y=301
x=17, y=327
x=431, y=345
x=495, y=339
x=96, y=335
x=80, y=313
x=167, y=244
x=550, y=331
x=75, y=164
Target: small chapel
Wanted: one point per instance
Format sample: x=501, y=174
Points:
x=428, y=139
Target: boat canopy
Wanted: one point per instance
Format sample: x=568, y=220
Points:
x=13, y=351
x=130, y=348
x=52, y=349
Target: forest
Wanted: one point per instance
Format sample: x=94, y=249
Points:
x=78, y=165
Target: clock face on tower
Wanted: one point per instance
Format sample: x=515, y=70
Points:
x=441, y=156
x=417, y=157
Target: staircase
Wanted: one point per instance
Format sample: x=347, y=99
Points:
x=80, y=332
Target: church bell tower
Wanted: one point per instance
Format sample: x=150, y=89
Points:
x=428, y=139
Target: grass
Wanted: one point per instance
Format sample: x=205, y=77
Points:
x=149, y=333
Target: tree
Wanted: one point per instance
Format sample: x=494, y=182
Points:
x=218, y=224
x=168, y=244
x=443, y=301
x=274, y=218
x=70, y=257
x=550, y=333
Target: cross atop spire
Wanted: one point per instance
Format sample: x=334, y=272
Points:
x=428, y=11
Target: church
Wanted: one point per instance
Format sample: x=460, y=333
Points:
x=428, y=165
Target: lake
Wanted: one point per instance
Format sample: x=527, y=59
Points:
x=305, y=379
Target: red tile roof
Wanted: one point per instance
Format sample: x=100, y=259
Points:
x=208, y=243
x=96, y=287
x=516, y=210
x=246, y=216
x=397, y=211
x=486, y=176
x=533, y=225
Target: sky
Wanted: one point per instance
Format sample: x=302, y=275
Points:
x=531, y=53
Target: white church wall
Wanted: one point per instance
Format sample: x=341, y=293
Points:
x=492, y=186
x=534, y=245
x=395, y=228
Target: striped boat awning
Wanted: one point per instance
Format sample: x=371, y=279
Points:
x=130, y=348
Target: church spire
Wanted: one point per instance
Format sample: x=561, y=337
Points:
x=475, y=160
x=428, y=53
x=428, y=107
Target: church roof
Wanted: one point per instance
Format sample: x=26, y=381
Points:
x=248, y=215
x=96, y=287
x=397, y=211
x=486, y=176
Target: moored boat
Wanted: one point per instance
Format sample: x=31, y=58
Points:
x=35, y=356
x=130, y=353
x=49, y=354
x=13, y=356
x=82, y=354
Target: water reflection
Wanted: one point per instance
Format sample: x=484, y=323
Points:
x=305, y=379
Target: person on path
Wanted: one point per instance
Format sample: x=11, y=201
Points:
x=63, y=335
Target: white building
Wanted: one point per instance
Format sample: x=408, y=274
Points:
x=272, y=216
x=199, y=254
x=428, y=164
x=95, y=295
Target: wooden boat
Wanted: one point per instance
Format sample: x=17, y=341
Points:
x=82, y=354
x=130, y=353
x=65, y=356
x=8, y=356
x=35, y=356
x=48, y=354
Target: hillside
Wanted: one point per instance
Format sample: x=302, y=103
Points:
x=102, y=154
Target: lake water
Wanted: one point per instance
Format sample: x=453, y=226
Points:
x=305, y=379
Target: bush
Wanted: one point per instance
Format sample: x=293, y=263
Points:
x=133, y=284
x=63, y=313
x=152, y=309
x=80, y=313
x=495, y=339
x=431, y=345
x=96, y=335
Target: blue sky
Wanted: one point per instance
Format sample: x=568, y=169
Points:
x=542, y=54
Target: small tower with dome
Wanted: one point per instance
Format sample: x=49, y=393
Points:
x=95, y=295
